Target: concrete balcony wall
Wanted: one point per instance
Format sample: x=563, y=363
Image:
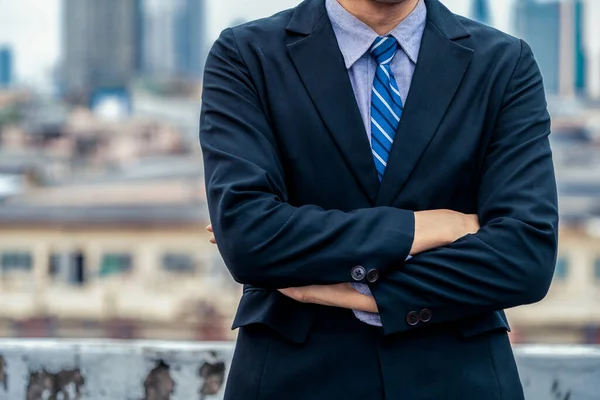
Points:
x=119, y=370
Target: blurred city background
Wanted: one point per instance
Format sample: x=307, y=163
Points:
x=102, y=202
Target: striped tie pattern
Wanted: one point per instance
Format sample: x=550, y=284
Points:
x=386, y=103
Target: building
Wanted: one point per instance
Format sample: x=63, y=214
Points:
x=580, y=62
x=61, y=145
x=100, y=46
x=139, y=35
x=6, y=66
x=174, y=41
x=179, y=111
x=480, y=11
x=538, y=23
x=190, y=39
x=120, y=258
x=555, y=30
x=110, y=242
x=571, y=311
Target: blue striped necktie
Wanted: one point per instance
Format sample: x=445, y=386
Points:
x=386, y=103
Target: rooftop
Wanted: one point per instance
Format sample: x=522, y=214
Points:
x=137, y=215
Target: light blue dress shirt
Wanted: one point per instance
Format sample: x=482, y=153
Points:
x=355, y=39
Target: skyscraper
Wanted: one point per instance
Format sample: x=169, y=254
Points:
x=174, y=38
x=190, y=39
x=554, y=30
x=480, y=11
x=580, y=56
x=100, y=45
x=5, y=66
x=538, y=23
x=139, y=35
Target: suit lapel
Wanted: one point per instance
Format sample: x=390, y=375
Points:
x=321, y=66
x=440, y=68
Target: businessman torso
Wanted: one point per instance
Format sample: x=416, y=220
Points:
x=292, y=66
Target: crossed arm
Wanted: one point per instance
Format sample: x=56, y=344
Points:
x=337, y=295
x=432, y=229
x=267, y=242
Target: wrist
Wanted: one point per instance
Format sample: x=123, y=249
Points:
x=365, y=303
x=433, y=228
x=310, y=296
x=355, y=300
x=453, y=224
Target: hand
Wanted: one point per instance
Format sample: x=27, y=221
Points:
x=341, y=295
x=435, y=228
x=212, y=237
x=470, y=225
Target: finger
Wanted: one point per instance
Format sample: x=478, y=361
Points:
x=209, y=228
x=212, y=239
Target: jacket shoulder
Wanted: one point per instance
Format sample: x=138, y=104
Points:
x=488, y=39
x=493, y=49
x=243, y=45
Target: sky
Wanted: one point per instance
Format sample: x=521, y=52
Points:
x=32, y=28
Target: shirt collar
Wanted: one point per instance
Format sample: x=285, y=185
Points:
x=355, y=37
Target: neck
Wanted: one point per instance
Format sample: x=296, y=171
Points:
x=380, y=15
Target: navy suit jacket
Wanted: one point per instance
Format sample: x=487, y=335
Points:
x=295, y=200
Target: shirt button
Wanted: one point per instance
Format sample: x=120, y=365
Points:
x=358, y=273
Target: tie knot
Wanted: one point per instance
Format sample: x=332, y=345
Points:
x=384, y=48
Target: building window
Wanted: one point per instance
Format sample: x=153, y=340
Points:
x=116, y=263
x=178, y=263
x=562, y=268
x=16, y=261
x=77, y=275
x=67, y=267
x=54, y=265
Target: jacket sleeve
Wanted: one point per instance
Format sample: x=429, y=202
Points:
x=510, y=261
x=264, y=240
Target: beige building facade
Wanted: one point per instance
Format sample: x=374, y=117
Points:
x=152, y=267
x=571, y=311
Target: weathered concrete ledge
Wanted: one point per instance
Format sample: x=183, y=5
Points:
x=134, y=370
x=560, y=372
x=112, y=370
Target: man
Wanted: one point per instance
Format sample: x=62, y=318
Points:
x=344, y=201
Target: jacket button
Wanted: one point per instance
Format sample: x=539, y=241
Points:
x=412, y=318
x=372, y=276
x=425, y=315
x=358, y=273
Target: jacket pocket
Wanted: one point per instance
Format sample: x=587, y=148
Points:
x=287, y=317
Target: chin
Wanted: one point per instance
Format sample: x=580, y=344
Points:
x=390, y=1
